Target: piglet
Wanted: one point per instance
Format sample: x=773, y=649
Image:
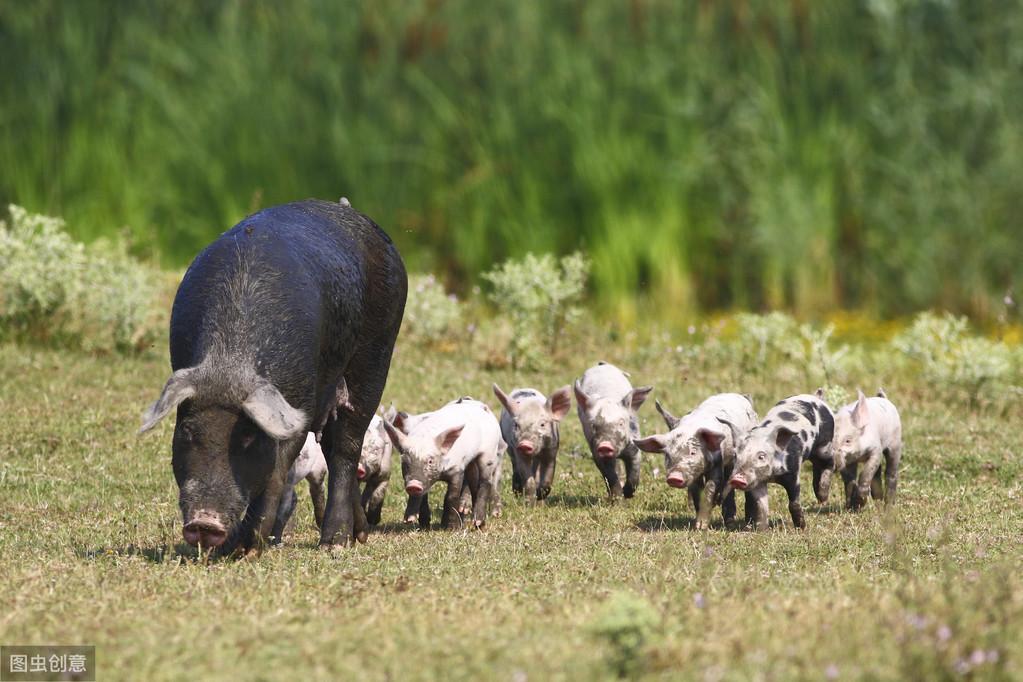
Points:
x=798, y=428
x=607, y=404
x=459, y=444
x=374, y=469
x=529, y=425
x=311, y=466
x=699, y=450
x=865, y=432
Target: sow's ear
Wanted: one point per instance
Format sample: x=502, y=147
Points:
x=178, y=388
x=272, y=413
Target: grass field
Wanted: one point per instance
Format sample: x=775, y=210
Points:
x=91, y=553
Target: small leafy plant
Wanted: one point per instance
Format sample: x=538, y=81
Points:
x=539, y=295
x=626, y=623
x=431, y=314
x=56, y=290
x=949, y=355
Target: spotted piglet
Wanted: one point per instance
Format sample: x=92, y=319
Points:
x=699, y=450
x=865, y=432
x=797, y=429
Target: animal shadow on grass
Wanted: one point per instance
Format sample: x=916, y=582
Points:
x=156, y=554
x=573, y=501
x=666, y=522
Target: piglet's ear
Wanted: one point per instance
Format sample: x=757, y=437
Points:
x=390, y=413
x=178, y=388
x=580, y=395
x=272, y=413
x=651, y=443
x=669, y=419
x=636, y=397
x=711, y=439
x=447, y=438
x=504, y=399
x=398, y=438
x=861, y=413
x=782, y=437
x=560, y=402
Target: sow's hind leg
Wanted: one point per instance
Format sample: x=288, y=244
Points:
x=345, y=520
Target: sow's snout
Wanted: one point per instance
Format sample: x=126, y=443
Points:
x=205, y=530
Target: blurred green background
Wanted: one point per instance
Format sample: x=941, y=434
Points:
x=796, y=154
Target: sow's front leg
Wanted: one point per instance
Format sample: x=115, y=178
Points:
x=344, y=520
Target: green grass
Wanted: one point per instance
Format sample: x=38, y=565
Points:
x=90, y=553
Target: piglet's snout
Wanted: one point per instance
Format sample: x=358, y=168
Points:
x=738, y=481
x=676, y=480
x=205, y=530
x=525, y=447
x=605, y=449
x=360, y=473
x=414, y=488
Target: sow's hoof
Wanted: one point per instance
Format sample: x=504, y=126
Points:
x=338, y=543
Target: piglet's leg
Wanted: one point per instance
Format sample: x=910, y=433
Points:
x=608, y=469
x=791, y=486
x=852, y=498
x=706, y=504
x=546, y=477
x=451, y=519
x=759, y=495
x=866, y=477
x=891, y=473
x=821, y=481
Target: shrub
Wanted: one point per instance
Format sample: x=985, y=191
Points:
x=947, y=354
x=626, y=623
x=431, y=314
x=538, y=295
x=797, y=352
x=56, y=290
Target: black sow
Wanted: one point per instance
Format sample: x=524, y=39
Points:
x=283, y=325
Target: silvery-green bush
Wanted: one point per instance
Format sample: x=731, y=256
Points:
x=539, y=295
x=56, y=290
x=431, y=314
x=794, y=351
x=948, y=354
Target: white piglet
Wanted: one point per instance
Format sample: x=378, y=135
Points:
x=311, y=466
x=459, y=444
x=867, y=431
